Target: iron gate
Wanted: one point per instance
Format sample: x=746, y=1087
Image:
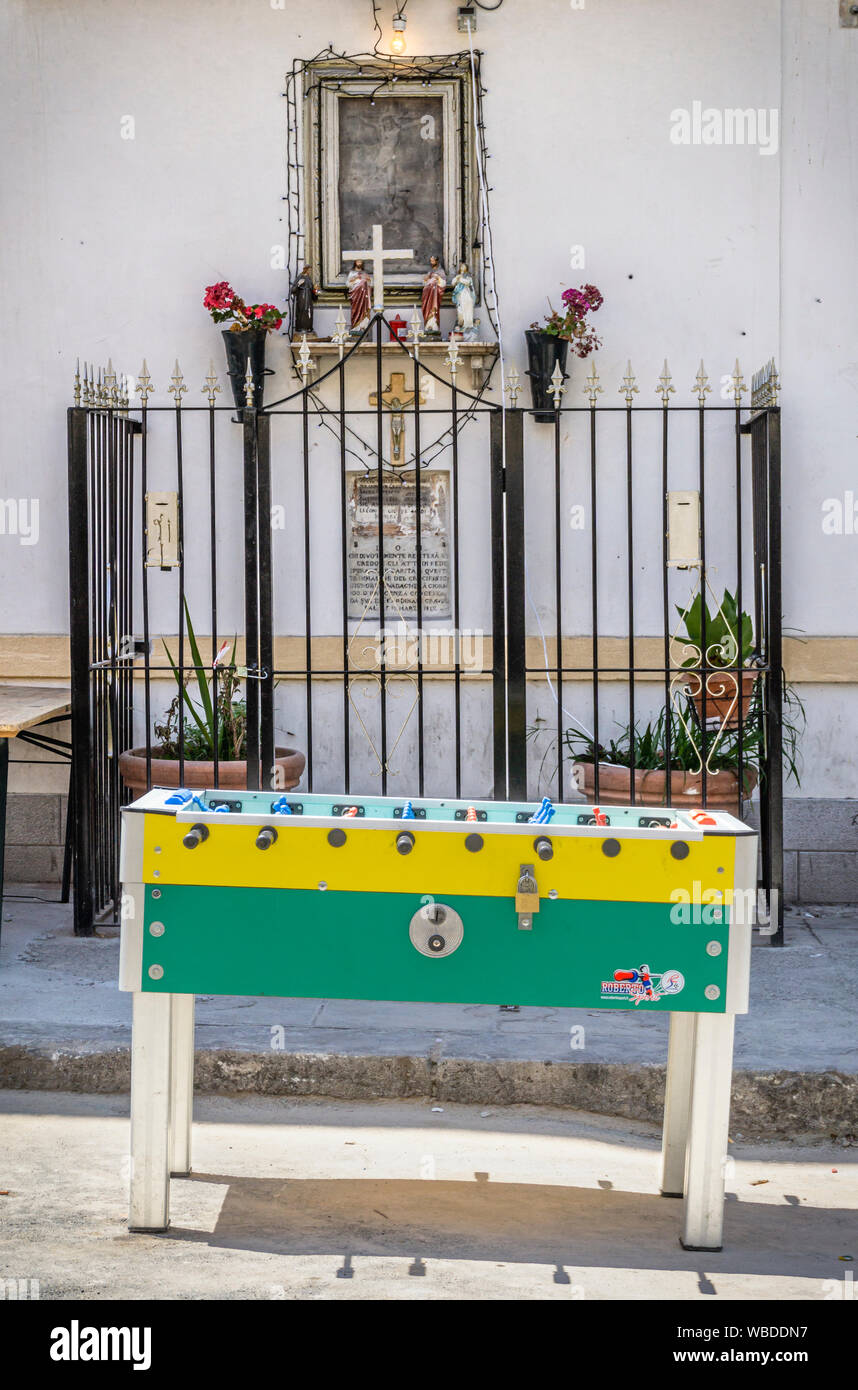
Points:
x=409, y=638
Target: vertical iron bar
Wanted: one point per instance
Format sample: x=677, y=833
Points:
x=558, y=602
x=180, y=536
x=704, y=588
x=418, y=540
x=113, y=636
x=94, y=640
x=379, y=410
x=775, y=660
x=499, y=691
x=345, y=577
x=128, y=515
x=213, y=581
x=594, y=593
x=665, y=602
x=308, y=614
x=457, y=642
x=740, y=743
x=144, y=589
x=101, y=652
x=516, y=631
x=251, y=595
x=80, y=790
x=266, y=612
x=631, y=602
x=758, y=429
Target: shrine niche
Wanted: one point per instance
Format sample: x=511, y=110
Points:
x=393, y=146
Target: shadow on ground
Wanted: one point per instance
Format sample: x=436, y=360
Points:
x=508, y=1223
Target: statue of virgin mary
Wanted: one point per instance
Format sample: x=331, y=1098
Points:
x=463, y=298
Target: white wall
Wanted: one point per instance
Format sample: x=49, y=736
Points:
x=717, y=251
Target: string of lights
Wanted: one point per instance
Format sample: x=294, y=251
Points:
x=375, y=13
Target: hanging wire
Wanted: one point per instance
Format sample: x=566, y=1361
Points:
x=375, y=14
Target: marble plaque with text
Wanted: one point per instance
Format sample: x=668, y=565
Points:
x=399, y=521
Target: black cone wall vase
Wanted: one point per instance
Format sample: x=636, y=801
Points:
x=241, y=347
x=544, y=351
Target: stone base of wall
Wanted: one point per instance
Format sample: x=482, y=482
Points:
x=35, y=837
x=820, y=850
x=820, y=845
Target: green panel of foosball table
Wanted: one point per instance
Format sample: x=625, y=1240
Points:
x=340, y=945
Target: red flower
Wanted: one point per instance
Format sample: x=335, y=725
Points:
x=218, y=296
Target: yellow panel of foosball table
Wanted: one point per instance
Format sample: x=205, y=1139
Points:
x=643, y=869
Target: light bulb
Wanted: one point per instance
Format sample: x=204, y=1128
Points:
x=397, y=43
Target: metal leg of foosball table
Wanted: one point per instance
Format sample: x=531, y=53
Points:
x=181, y=1084
x=677, y=1104
x=151, y=1065
x=705, y=1167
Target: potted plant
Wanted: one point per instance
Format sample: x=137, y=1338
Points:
x=654, y=784
x=208, y=722
x=548, y=347
x=681, y=783
x=244, y=339
x=729, y=647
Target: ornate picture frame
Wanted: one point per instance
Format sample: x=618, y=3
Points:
x=408, y=164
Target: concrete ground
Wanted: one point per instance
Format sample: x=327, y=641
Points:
x=403, y=1200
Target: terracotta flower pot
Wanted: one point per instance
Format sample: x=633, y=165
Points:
x=650, y=786
x=232, y=775
x=722, y=703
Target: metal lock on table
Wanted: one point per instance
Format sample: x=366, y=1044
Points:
x=526, y=897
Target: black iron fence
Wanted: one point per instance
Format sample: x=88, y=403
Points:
x=520, y=622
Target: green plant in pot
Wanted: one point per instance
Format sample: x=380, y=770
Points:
x=210, y=719
x=666, y=756
x=723, y=640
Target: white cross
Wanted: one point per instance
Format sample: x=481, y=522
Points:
x=377, y=255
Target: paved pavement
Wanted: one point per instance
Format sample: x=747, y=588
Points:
x=403, y=1200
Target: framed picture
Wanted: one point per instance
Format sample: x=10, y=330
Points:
x=395, y=152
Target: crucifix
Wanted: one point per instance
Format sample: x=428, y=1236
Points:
x=396, y=398
x=377, y=255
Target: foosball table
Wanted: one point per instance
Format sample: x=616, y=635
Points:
x=313, y=896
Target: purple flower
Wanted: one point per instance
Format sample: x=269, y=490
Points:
x=594, y=296
x=576, y=301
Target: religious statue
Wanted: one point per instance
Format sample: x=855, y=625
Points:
x=359, y=284
x=304, y=293
x=434, y=283
x=464, y=300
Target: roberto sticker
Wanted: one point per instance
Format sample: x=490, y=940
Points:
x=642, y=985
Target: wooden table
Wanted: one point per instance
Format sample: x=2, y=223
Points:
x=22, y=708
